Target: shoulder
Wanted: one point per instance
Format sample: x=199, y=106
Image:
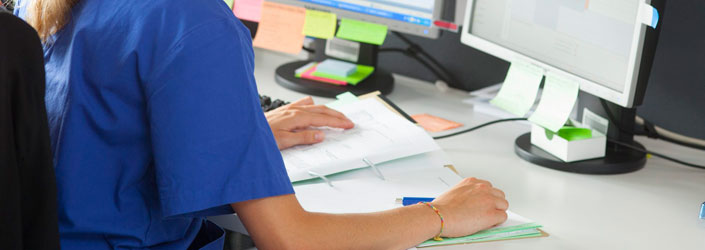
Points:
x=16, y=34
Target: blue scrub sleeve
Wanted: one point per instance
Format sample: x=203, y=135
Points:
x=212, y=144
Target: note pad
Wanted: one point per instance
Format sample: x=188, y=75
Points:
x=519, y=90
x=250, y=10
x=557, y=101
x=280, y=28
x=320, y=24
x=360, y=31
x=362, y=72
x=336, y=67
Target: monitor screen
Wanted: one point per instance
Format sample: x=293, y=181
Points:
x=593, y=39
x=409, y=16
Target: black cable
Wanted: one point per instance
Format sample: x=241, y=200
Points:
x=478, y=127
x=417, y=58
x=656, y=154
x=308, y=50
x=415, y=51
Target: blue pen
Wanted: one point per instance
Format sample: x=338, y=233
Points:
x=702, y=211
x=406, y=201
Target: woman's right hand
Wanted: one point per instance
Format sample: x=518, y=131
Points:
x=471, y=206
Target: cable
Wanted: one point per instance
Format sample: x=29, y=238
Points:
x=656, y=154
x=415, y=51
x=478, y=127
x=673, y=137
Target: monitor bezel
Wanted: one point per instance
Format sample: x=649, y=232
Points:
x=625, y=98
x=413, y=29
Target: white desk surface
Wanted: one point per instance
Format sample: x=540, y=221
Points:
x=654, y=208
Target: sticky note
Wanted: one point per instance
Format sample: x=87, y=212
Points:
x=360, y=31
x=557, y=101
x=320, y=24
x=305, y=68
x=280, y=28
x=308, y=74
x=343, y=99
x=649, y=15
x=361, y=74
x=229, y=3
x=250, y=10
x=570, y=133
x=337, y=67
x=519, y=90
x=435, y=124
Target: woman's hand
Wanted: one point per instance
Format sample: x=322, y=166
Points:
x=291, y=123
x=471, y=206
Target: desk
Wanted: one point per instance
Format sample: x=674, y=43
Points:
x=654, y=208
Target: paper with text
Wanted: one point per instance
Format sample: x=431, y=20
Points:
x=379, y=135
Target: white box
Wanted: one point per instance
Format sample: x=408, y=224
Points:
x=570, y=151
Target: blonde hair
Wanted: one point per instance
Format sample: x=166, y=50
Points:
x=49, y=16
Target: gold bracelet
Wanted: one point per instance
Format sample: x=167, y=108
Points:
x=438, y=236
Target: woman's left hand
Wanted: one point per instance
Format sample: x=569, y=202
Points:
x=291, y=124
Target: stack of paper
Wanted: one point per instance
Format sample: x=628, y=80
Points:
x=358, y=74
x=516, y=227
x=380, y=135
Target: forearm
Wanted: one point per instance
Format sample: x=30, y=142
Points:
x=400, y=228
x=290, y=227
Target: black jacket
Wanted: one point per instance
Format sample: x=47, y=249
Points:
x=28, y=205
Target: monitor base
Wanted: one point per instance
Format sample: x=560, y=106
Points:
x=285, y=76
x=618, y=160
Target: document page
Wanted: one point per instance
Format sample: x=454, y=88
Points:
x=379, y=135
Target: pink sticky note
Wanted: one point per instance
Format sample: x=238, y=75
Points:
x=309, y=72
x=250, y=10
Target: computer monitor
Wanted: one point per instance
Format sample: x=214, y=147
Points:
x=414, y=17
x=598, y=43
x=601, y=44
x=409, y=16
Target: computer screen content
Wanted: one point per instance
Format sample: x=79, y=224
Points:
x=419, y=12
x=593, y=39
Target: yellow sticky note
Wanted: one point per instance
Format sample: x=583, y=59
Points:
x=360, y=31
x=229, y=3
x=281, y=28
x=320, y=24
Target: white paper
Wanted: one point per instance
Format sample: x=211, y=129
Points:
x=373, y=194
x=379, y=135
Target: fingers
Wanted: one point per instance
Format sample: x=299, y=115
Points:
x=304, y=137
x=303, y=120
x=323, y=110
x=303, y=101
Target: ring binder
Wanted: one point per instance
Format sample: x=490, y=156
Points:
x=323, y=177
x=374, y=167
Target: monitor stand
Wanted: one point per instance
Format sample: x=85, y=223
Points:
x=379, y=80
x=618, y=159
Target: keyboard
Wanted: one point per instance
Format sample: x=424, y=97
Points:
x=268, y=104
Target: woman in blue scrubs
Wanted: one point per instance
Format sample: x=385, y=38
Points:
x=155, y=123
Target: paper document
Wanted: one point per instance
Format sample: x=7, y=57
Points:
x=320, y=24
x=520, y=88
x=373, y=194
x=557, y=101
x=281, y=28
x=516, y=227
x=379, y=135
x=250, y=10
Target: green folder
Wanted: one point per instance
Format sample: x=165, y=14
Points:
x=506, y=233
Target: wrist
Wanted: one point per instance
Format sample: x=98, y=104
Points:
x=439, y=218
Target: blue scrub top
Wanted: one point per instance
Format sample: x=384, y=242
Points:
x=155, y=123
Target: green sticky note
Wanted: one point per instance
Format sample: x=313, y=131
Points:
x=360, y=31
x=519, y=89
x=575, y=134
x=230, y=3
x=557, y=101
x=363, y=71
x=320, y=24
x=343, y=99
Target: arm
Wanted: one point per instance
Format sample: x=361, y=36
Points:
x=280, y=222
